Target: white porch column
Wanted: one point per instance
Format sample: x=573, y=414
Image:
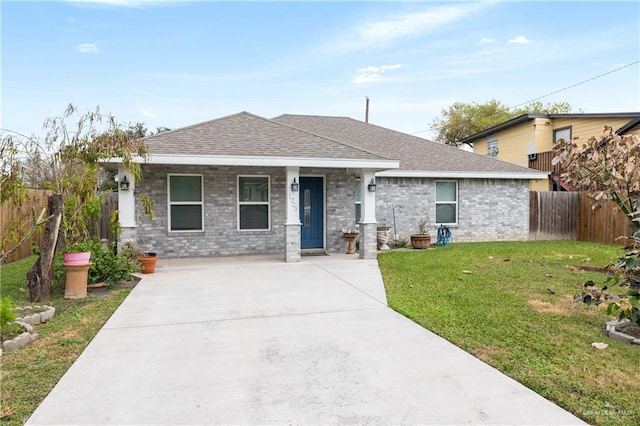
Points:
x=368, y=221
x=292, y=226
x=126, y=207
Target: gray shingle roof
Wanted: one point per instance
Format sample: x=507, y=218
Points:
x=414, y=153
x=247, y=135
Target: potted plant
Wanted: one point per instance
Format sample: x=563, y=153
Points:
x=422, y=239
x=76, y=255
x=146, y=260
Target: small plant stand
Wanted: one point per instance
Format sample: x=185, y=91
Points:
x=75, y=286
x=350, y=236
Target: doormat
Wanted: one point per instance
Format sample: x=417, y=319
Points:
x=320, y=253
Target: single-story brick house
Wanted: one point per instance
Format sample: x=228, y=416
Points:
x=244, y=184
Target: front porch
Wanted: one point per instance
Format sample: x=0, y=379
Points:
x=221, y=210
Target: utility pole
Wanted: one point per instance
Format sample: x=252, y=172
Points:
x=366, y=111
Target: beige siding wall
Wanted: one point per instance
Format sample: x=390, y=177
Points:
x=544, y=136
x=584, y=128
x=513, y=143
x=536, y=135
x=539, y=185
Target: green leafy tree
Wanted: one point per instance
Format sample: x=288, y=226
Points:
x=465, y=119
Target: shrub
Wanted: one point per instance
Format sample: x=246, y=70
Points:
x=7, y=316
x=107, y=265
x=7, y=313
x=624, y=273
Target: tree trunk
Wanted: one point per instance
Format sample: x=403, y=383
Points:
x=40, y=276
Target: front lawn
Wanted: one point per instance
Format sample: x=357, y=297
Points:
x=28, y=374
x=510, y=304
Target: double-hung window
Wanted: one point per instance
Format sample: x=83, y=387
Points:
x=185, y=203
x=447, y=202
x=254, y=203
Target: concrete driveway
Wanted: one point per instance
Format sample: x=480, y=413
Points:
x=254, y=340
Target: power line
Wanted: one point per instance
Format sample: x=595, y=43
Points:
x=578, y=84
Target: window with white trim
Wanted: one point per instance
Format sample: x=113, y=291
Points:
x=254, y=208
x=447, y=202
x=185, y=202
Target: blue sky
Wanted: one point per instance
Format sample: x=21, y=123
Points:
x=178, y=63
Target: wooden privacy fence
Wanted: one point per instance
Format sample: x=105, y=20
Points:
x=570, y=216
x=102, y=229
x=22, y=216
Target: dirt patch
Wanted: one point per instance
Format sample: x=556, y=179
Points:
x=630, y=329
x=487, y=353
x=566, y=307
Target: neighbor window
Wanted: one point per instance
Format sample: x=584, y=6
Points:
x=185, y=203
x=562, y=133
x=447, y=202
x=492, y=148
x=253, y=203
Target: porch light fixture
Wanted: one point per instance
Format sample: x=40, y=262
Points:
x=372, y=186
x=124, y=184
x=295, y=186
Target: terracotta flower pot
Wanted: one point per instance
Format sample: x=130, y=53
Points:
x=421, y=241
x=148, y=264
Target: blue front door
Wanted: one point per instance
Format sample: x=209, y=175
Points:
x=312, y=212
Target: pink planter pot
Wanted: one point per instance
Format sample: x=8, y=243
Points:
x=81, y=258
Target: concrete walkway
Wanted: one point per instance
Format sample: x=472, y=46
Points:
x=254, y=340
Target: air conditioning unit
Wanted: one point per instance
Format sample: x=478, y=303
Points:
x=533, y=157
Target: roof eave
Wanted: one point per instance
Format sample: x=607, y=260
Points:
x=498, y=127
x=202, y=160
x=463, y=174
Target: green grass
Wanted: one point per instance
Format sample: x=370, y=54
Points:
x=29, y=373
x=510, y=304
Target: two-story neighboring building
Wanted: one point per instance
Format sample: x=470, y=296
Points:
x=528, y=140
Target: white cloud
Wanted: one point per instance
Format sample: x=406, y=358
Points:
x=88, y=48
x=486, y=40
x=148, y=114
x=408, y=25
x=373, y=74
x=519, y=40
